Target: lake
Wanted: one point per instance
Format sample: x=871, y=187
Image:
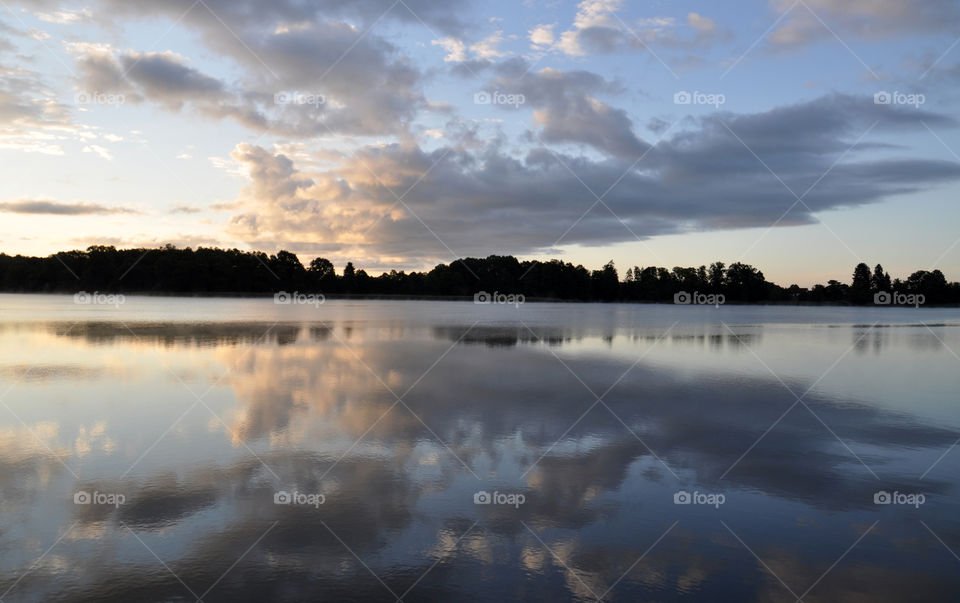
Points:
x=173, y=449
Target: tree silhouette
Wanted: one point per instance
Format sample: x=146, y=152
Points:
x=880, y=281
x=860, y=290
x=169, y=269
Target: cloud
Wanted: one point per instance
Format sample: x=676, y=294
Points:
x=162, y=77
x=486, y=201
x=474, y=57
x=165, y=76
x=32, y=118
x=66, y=17
x=593, y=22
x=867, y=19
x=703, y=25
x=242, y=16
x=101, y=151
x=42, y=206
x=597, y=29
x=180, y=208
x=363, y=84
x=542, y=36
x=456, y=49
x=279, y=192
x=150, y=241
x=566, y=110
x=487, y=48
x=371, y=90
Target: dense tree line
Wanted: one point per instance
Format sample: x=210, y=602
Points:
x=231, y=271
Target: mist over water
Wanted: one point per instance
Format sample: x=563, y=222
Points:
x=240, y=450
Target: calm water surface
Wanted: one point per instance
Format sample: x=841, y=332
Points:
x=239, y=450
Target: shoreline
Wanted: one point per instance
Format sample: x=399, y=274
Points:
x=461, y=298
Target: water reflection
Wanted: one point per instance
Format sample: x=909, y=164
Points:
x=398, y=426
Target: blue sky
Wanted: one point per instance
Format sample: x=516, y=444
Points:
x=359, y=130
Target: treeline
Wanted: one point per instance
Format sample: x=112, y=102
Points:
x=231, y=271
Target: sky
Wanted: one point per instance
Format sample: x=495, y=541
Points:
x=798, y=136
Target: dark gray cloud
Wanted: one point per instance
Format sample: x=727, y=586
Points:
x=42, y=206
x=485, y=201
x=161, y=76
x=566, y=109
x=165, y=78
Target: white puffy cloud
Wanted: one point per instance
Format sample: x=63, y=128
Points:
x=542, y=36
x=488, y=48
x=481, y=51
x=456, y=49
